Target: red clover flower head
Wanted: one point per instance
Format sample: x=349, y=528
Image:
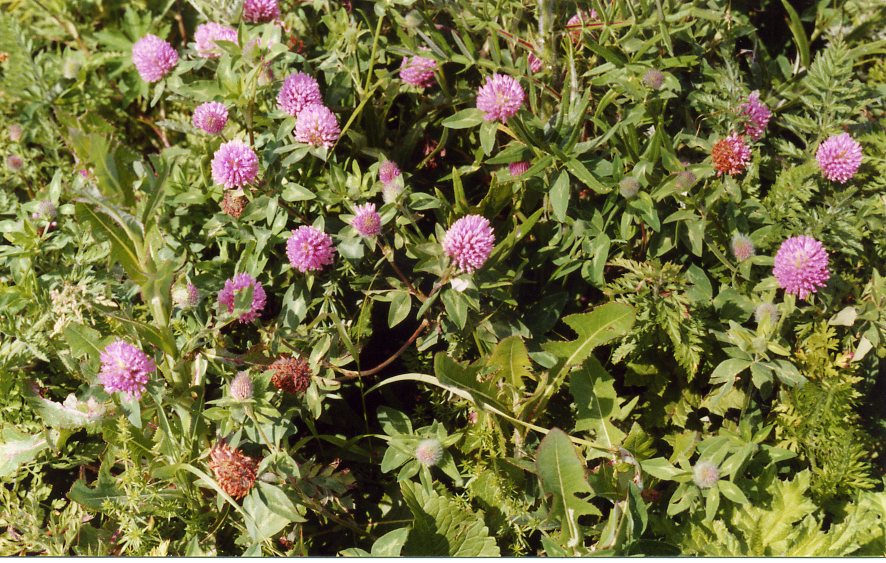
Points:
x=469, y=242
x=206, y=36
x=309, y=249
x=316, y=125
x=801, y=266
x=299, y=90
x=211, y=117
x=731, y=155
x=500, y=97
x=227, y=296
x=153, y=58
x=366, y=220
x=418, y=71
x=839, y=157
x=234, y=165
x=756, y=116
x=125, y=368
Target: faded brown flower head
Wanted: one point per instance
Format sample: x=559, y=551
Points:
x=233, y=204
x=291, y=375
x=234, y=471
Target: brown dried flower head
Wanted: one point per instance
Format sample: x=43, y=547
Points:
x=233, y=204
x=234, y=471
x=291, y=375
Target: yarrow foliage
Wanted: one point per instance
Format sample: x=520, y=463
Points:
x=153, y=57
x=469, y=242
x=500, y=98
x=309, y=249
x=227, y=296
x=801, y=266
x=125, y=368
x=839, y=157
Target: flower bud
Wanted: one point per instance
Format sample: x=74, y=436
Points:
x=766, y=311
x=628, y=187
x=742, y=247
x=654, y=78
x=429, y=452
x=15, y=132
x=705, y=474
x=241, y=387
x=185, y=296
x=14, y=162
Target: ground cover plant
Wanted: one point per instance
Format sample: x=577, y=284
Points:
x=416, y=277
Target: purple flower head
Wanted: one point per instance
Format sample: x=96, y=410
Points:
x=518, y=168
x=579, y=21
x=500, y=97
x=654, y=78
x=418, y=71
x=241, y=387
x=366, y=220
x=429, y=452
x=125, y=368
x=206, y=36
x=801, y=266
x=259, y=11
x=185, y=296
x=233, y=287
x=153, y=58
x=309, y=249
x=15, y=162
x=756, y=116
x=299, y=90
x=317, y=126
x=469, y=242
x=742, y=247
x=839, y=157
x=731, y=155
x=388, y=172
x=234, y=165
x=15, y=132
x=211, y=117
x=535, y=64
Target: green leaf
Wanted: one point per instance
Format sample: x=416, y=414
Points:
x=602, y=325
x=83, y=341
x=728, y=369
x=394, y=422
x=295, y=192
x=562, y=475
x=796, y=27
x=443, y=527
x=731, y=491
x=464, y=119
x=456, y=307
x=481, y=389
x=511, y=360
x=600, y=250
x=597, y=403
x=577, y=169
x=560, y=196
x=271, y=511
x=487, y=136
x=123, y=248
x=661, y=468
x=19, y=448
x=401, y=304
x=390, y=544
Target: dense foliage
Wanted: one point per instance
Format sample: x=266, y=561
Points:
x=574, y=320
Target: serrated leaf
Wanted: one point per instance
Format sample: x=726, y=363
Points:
x=511, y=358
x=19, y=448
x=562, y=475
x=597, y=403
x=602, y=325
x=443, y=527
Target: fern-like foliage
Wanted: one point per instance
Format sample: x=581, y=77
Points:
x=785, y=526
x=819, y=421
x=665, y=319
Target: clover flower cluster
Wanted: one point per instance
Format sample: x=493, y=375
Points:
x=309, y=249
x=153, y=58
x=469, y=242
x=418, y=71
x=206, y=36
x=839, y=157
x=500, y=98
x=125, y=369
x=801, y=266
x=233, y=287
